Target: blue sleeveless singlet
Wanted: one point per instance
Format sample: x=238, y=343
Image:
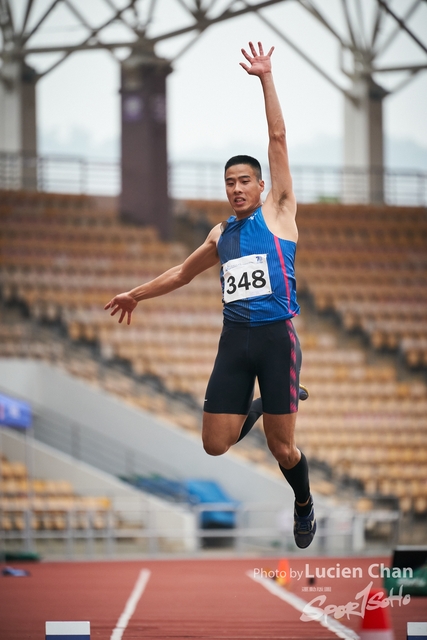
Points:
x=257, y=273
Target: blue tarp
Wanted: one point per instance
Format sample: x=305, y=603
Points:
x=205, y=492
x=162, y=487
x=15, y=413
x=192, y=492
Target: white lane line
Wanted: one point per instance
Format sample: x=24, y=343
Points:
x=130, y=607
x=299, y=604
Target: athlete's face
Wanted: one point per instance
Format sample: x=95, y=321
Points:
x=243, y=189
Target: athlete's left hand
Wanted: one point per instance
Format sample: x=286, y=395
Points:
x=259, y=63
x=125, y=303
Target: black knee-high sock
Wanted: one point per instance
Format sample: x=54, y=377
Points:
x=298, y=479
x=254, y=413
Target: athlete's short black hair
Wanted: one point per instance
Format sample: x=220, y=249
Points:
x=242, y=159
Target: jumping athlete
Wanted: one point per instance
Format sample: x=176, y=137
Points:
x=256, y=248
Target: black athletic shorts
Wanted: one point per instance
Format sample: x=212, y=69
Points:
x=271, y=353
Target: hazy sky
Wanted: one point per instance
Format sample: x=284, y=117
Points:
x=213, y=105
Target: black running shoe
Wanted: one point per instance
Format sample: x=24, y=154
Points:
x=304, y=529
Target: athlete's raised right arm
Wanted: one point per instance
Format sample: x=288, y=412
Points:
x=281, y=197
x=200, y=260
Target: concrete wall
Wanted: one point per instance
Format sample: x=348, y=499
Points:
x=176, y=453
x=43, y=462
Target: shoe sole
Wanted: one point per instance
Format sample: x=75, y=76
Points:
x=303, y=392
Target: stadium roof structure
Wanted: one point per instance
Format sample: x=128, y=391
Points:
x=130, y=30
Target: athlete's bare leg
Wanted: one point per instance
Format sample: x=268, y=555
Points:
x=280, y=434
x=220, y=431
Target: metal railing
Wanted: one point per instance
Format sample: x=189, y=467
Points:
x=204, y=180
x=59, y=174
x=340, y=532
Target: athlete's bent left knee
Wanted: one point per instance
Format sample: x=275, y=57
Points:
x=215, y=449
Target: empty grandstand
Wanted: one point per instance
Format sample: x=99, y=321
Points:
x=361, y=272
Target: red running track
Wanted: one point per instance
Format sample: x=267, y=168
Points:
x=197, y=599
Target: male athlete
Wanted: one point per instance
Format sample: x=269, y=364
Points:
x=256, y=248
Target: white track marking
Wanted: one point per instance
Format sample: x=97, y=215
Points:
x=301, y=605
x=130, y=607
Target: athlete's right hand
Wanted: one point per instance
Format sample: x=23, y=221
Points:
x=259, y=62
x=123, y=302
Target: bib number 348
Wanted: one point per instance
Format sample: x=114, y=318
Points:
x=246, y=277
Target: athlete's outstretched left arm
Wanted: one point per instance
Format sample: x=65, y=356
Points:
x=281, y=195
x=200, y=260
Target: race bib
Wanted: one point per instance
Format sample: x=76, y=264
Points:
x=246, y=277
